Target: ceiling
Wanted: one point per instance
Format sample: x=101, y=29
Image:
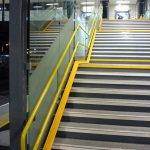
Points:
x=114, y=1
x=78, y=1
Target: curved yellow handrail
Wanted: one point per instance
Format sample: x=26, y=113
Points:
x=38, y=141
x=54, y=127
x=48, y=25
x=93, y=23
x=84, y=31
x=50, y=112
x=41, y=98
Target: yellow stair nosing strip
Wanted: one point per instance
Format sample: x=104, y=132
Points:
x=119, y=60
x=4, y=124
x=114, y=66
x=53, y=130
x=136, y=31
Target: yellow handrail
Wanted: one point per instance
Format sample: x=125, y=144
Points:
x=93, y=23
x=50, y=112
x=49, y=24
x=53, y=130
x=84, y=31
x=54, y=127
x=47, y=31
x=41, y=98
x=83, y=45
x=37, y=143
x=100, y=24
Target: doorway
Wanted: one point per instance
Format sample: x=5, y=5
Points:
x=124, y=15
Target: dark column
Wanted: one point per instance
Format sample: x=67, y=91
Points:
x=18, y=47
x=105, y=8
x=3, y=10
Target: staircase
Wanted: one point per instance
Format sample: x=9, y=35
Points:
x=108, y=107
x=126, y=25
x=118, y=45
x=56, y=26
x=40, y=42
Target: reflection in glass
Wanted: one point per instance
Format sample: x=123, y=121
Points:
x=52, y=24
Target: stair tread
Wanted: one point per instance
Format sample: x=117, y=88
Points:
x=121, y=48
x=111, y=91
x=120, y=52
x=41, y=48
x=125, y=28
x=121, y=56
x=114, y=73
x=104, y=129
x=41, y=44
x=119, y=115
x=33, y=41
x=120, y=64
x=124, y=44
x=75, y=144
x=132, y=24
x=111, y=101
x=38, y=50
x=109, y=81
x=122, y=33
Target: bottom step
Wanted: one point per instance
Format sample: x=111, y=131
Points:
x=73, y=144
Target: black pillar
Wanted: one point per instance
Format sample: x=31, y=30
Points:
x=18, y=47
x=3, y=10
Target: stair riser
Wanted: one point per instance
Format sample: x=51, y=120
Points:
x=120, y=122
x=108, y=108
x=101, y=137
x=115, y=86
x=117, y=96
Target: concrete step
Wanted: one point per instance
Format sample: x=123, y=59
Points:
x=109, y=102
x=76, y=144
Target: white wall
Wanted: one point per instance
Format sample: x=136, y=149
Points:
x=132, y=9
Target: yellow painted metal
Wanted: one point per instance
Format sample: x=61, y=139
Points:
x=118, y=60
x=91, y=47
x=4, y=120
x=90, y=41
x=123, y=31
x=92, y=26
x=47, y=31
x=34, y=65
x=48, y=25
x=4, y=124
x=115, y=66
x=4, y=116
x=84, y=31
x=83, y=45
x=35, y=59
x=55, y=100
x=53, y=105
x=112, y=20
x=100, y=24
x=56, y=97
x=52, y=31
x=91, y=38
x=41, y=98
x=53, y=130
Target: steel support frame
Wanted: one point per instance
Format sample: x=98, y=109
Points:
x=17, y=71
